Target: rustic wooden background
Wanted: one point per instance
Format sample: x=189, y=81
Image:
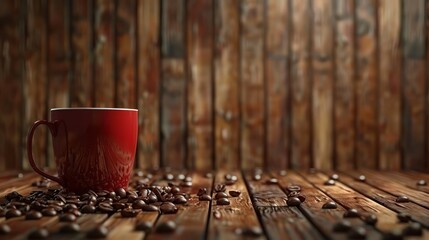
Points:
x=225, y=83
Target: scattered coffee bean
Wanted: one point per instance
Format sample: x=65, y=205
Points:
x=69, y=206
x=144, y=226
x=222, y=201
x=121, y=192
x=282, y=173
x=230, y=177
x=4, y=229
x=119, y=206
x=40, y=233
x=421, y=182
x=76, y=212
x=67, y=217
x=220, y=188
x=272, y=181
x=329, y=205
x=98, y=232
x=257, y=177
x=174, y=190
x=168, y=208
x=395, y=234
x=330, y=182
x=335, y=177
x=128, y=213
x=180, y=199
x=351, y=213
x=293, y=188
x=402, y=199
x=150, y=208
x=301, y=197
x=342, y=226
x=254, y=231
x=403, y=217
x=202, y=191
x=169, y=177
x=293, y=201
x=234, y=193
x=205, y=197
x=70, y=228
x=33, y=215
x=137, y=204
x=13, y=195
x=371, y=219
x=88, y=209
x=217, y=214
x=357, y=233
x=361, y=178
x=166, y=227
x=106, y=207
x=413, y=229
x=221, y=195
x=186, y=184
x=11, y=213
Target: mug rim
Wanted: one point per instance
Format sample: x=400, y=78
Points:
x=95, y=108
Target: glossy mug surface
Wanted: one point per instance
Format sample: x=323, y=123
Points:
x=94, y=148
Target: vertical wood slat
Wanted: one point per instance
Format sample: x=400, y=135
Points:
x=104, y=48
x=322, y=101
x=148, y=82
x=81, y=44
x=226, y=83
x=173, y=84
x=11, y=66
x=344, y=77
x=300, y=77
x=277, y=84
x=199, y=30
x=252, y=83
x=366, y=83
x=389, y=119
x=34, y=85
x=414, y=85
x=125, y=52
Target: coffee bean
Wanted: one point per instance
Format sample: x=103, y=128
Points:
x=329, y=182
x=70, y=228
x=33, y=215
x=49, y=212
x=67, y=217
x=234, y=193
x=403, y=217
x=13, y=195
x=202, y=191
x=168, y=208
x=98, y=232
x=254, y=231
x=186, y=184
x=301, y=198
x=209, y=175
x=351, y=213
x=179, y=199
x=293, y=201
x=217, y=214
x=205, y=197
x=421, y=182
x=128, y=213
x=175, y=190
x=76, y=212
x=88, y=209
x=166, y=227
x=138, y=204
x=357, y=233
x=152, y=198
x=335, y=177
x=413, y=229
x=119, y=206
x=361, y=178
x=282, y=173
x=69, y=207
x=4, y=229
x=342, y=226
x=144, y=226
x=220, y=188
x=402, y=199
x=293, y=188
x=229, y=182
x=371, y=219
x=330, y=205
x=395, y=234
x=168, y=176
x=272, y=181
x=41, y=233
x=150, y=208
x=106, y=207
x=221, y=195
x=121, y=192
x=11, y=213
x=257, y=177
x=222, y=201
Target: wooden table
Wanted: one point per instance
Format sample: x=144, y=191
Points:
x=261, y=205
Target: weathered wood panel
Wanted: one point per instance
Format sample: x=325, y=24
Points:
x=414, y=85
x=226, y=83
x=252, y=83
x=366, y=84
x=148, y=80
x=277, y=84
x=344, y=88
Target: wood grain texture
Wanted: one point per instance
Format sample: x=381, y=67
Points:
x=148, y=81
x=173, y=84
x=322, y=101
x=344, y=88
x=11, y=77
x=389, y=119
x=301, y=85
x=226, y=83
x=414, y=84
x=82, y=84
x=264, y=194
x=104, y=48
x=252, y=83
x=277, y=84
x=199, y=30
x=35, y=80
x=126, y=40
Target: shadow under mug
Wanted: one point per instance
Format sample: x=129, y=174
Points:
x=94, y=148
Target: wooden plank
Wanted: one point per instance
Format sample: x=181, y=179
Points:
x=34, y=84
x=126, y=46
x=104, y=48
x=301, y=85
x=20, y=227
x=11, y=77
x=199, y=30
x=148, y=83
x=86, y=223
x=226, y=87
x=59, y=59
x=389, y=13
x=322, y=102
x=344, y=89
x=366, y=84
x=82, y=87
x=277, y=84
x=240, y=214
x=414, y=85
x=252, y=132
x=409, y=179
x=173, y=84
x=262, y=193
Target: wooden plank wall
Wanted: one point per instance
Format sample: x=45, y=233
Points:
x=225, y=83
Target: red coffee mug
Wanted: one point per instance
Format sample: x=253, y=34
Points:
x=94, y=148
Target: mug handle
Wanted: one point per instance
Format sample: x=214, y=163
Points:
x=53, y=129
